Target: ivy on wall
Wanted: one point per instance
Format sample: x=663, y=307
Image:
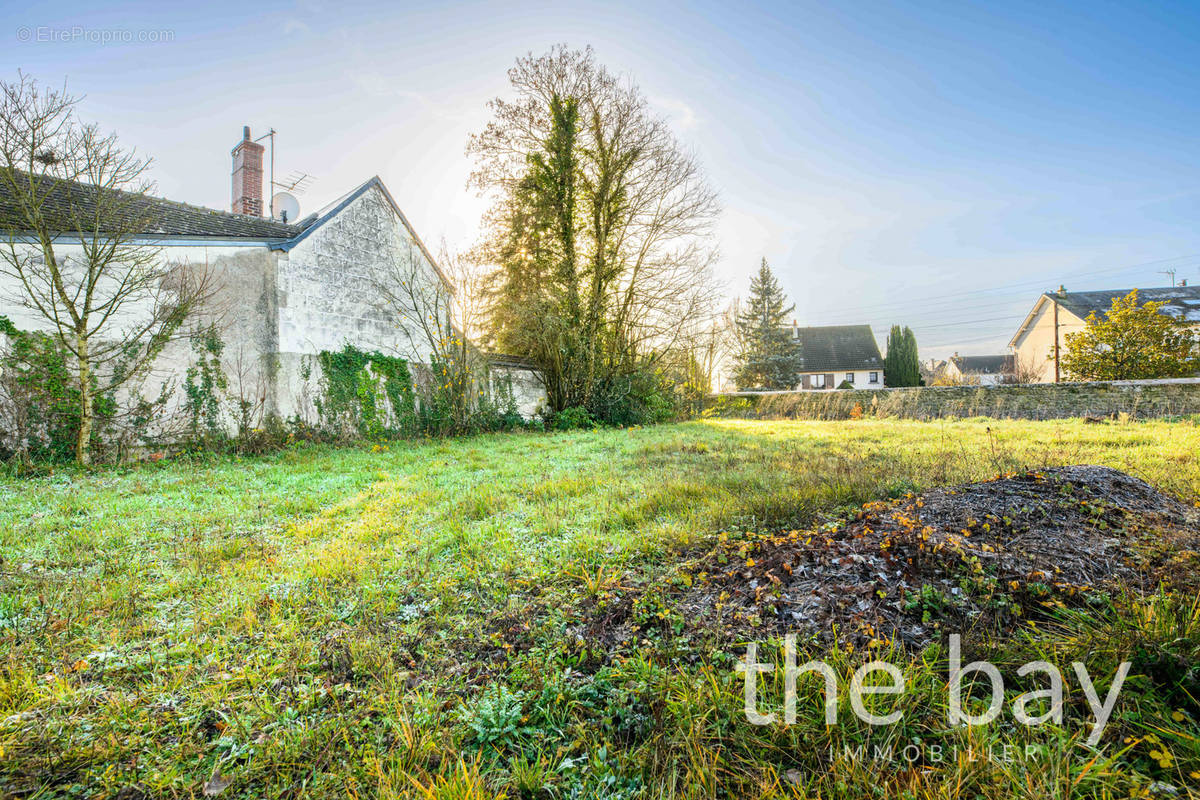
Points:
x=202, y=387
x=39, y=398
x=361, y=395
x=365, y=394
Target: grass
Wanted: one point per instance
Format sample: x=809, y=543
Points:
x=417, y=621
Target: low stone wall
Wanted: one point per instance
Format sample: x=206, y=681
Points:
x=1139, y=399
x=527, y=389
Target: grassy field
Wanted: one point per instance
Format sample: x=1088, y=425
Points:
x=412, y=620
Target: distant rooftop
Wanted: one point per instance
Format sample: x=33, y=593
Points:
x=1182, y=302
x=984, y=365
x=837, y=348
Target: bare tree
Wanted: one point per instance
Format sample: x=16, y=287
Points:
x=726, y=343
x=437, y=308
x=75, y=213
x=1023, y=370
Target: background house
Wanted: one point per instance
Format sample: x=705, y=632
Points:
x=933, y=369
x=1039, y=342
x=831, y=355
x=981, y=370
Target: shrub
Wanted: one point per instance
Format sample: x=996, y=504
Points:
x=645, y=396
x=497, y=409
x=274, y=434
x=571, y=419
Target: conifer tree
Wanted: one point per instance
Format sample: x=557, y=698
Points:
x=901, y=365
x=768, y=358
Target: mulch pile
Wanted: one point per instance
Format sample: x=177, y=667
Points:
x=981, y=554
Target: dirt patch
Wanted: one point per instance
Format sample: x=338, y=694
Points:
x=987, y=554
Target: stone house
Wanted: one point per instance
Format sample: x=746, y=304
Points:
x=288, y=289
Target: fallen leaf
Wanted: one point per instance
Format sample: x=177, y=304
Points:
x=217, y=783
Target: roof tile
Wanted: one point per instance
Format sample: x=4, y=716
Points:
x=164, y=218
x=1182, y=302
x=837, y=348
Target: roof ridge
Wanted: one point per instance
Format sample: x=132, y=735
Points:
x=1126, y=290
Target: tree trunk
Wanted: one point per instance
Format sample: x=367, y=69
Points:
x=83, y=444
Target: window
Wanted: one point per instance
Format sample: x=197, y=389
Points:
x=849, y=377
x=874, y=377
x=818, y=381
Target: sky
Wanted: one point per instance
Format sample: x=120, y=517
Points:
x=930, y=164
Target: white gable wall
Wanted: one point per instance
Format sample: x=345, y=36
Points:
x=326, y=298
x=277, y=309
x=1034, y=346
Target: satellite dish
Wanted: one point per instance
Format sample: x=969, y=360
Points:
x=287, y=208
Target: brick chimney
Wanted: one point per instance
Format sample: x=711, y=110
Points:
x=248, y=176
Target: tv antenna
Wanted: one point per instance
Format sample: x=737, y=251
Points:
x=296, y=182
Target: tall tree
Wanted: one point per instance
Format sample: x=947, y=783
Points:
x=600, y=228
x=1132, y=342
x=75, y=220
x=902, y=364
x=912, y=357
x=768, y=358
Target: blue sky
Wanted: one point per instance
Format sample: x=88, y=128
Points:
x=933, y=164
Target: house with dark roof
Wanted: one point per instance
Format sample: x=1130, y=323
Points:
x=289, y=288
x=836, y=356
x=1039, y=342
x=979, y=370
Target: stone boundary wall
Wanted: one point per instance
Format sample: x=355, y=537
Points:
x=1138, y=399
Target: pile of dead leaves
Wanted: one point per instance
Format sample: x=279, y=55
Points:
x=979, y=556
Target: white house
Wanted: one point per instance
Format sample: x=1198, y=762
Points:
x=288, y=289
x=981, y=370
x=835, y=355
x=1040, y=341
